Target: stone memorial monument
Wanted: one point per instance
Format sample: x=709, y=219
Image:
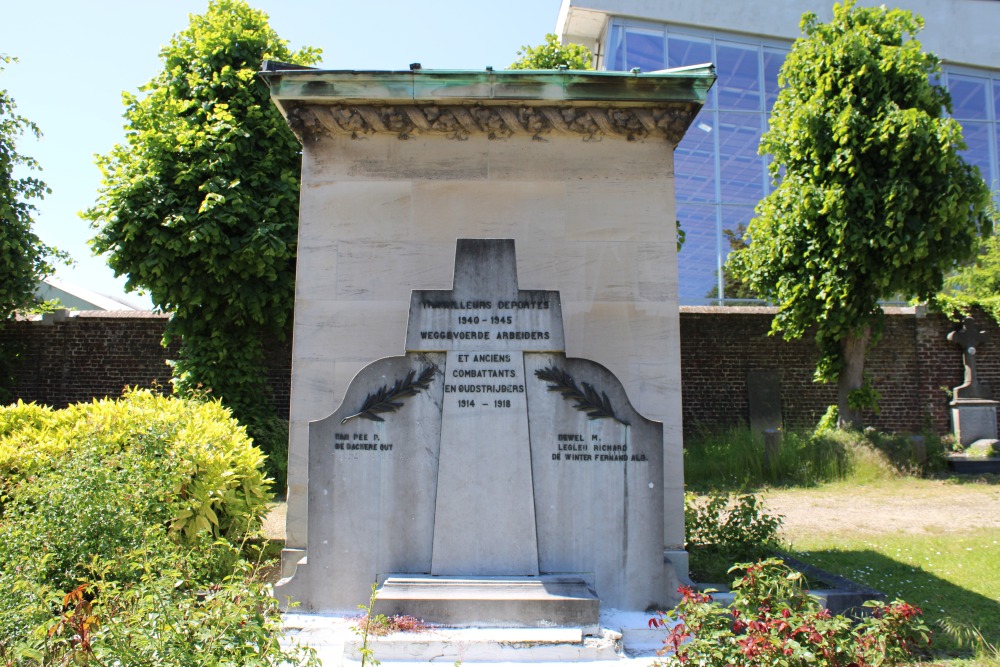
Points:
x=577, y=167
x=485, y=477
x=973, y=412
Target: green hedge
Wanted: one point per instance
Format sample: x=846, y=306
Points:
x=123, y=528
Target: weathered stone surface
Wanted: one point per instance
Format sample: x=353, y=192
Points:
x=485, y=452
x=547, y=601
x=398, y=165
x=974, y=420
x=764, y=394
x=372, y=487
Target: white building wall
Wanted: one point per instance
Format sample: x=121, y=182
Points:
x=963, y=32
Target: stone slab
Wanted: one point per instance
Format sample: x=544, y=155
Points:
x=483, y=452
x=624, y=639
x=501, y=602
x=764, y=394
x=974, y=420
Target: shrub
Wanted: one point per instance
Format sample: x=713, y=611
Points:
x=722, y=530
x=122, y=533
x=773, y=621
x=162, y=617
x=270, y=435
x=214, y=480
x=734, y=458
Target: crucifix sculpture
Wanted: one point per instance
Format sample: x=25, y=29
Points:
x=968, y=338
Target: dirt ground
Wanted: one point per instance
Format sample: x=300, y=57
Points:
x=913, y=506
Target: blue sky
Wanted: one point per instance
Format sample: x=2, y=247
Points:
x=77, y=56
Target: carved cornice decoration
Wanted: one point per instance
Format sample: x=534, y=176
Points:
x=309, y=122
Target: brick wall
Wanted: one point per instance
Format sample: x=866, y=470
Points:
x=911, y=366
x=98, y=353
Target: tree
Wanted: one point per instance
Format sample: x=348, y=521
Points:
x=872, y=199
x=732, y=287
x=553, y=55
x=199, y=206
x=975, y=285
x=24, y=259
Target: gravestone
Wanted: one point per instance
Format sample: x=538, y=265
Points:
x=764, y=397
x=973, y=412
x=484, y=478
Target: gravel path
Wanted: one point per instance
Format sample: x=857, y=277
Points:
x=912, y=506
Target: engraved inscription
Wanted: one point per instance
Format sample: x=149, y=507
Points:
x=484, y=381
x=485, y=319
x=360, y=442
x=574, y=447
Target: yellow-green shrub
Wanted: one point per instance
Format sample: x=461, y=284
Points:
x=216, y=482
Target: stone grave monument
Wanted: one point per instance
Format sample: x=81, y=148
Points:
x=484, y=478
x=973, y=410
x=577, y=167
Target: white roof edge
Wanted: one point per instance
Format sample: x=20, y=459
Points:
x=100, y=301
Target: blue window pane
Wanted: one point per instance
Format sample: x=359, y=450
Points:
x=644, y=48
x=694, y=161
x=683, y=51
x=968, y=96
x=614, y=59
x=741, y=170
x=739, y=77
x=977, y=139
x=773, y=60
x=734, y=221
x=996, y=100
x=698, y=260
x=994, y=183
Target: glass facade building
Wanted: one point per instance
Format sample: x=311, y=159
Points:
x=719, y=175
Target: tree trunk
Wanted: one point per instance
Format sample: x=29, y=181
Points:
x=852, y=375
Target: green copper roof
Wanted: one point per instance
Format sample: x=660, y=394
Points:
x=569, y=87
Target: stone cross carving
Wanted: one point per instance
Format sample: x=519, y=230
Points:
x=968, y=338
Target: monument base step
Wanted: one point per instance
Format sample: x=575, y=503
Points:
x=624, y=640
x=548, y=601
x=963, y=464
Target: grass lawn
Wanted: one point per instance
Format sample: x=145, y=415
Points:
x=933, y=543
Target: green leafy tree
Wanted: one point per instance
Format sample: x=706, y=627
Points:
x=872, y=200
x=975, y=285
x=24, y=259
x=552, y=55
x=732, y=287
x=199, y=206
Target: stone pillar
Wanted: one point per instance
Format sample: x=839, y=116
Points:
x=577, y=167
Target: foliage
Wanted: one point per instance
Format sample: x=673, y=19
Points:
x=158, y=614
x=270, y=435
x=365, y=629
x=976, y=285
x=948, y=570
x=773, y=621
x=722, y=530
x=195, y=463
x=553, y=55
x=873, y=199
x=200, y=205
x=122, y=536
x=381, y=625
x=24, y=259
x=734, y=458
x=732, y=286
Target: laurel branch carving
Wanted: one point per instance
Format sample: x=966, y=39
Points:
x=388, y=399
x=497, y=122
x=596, y=406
